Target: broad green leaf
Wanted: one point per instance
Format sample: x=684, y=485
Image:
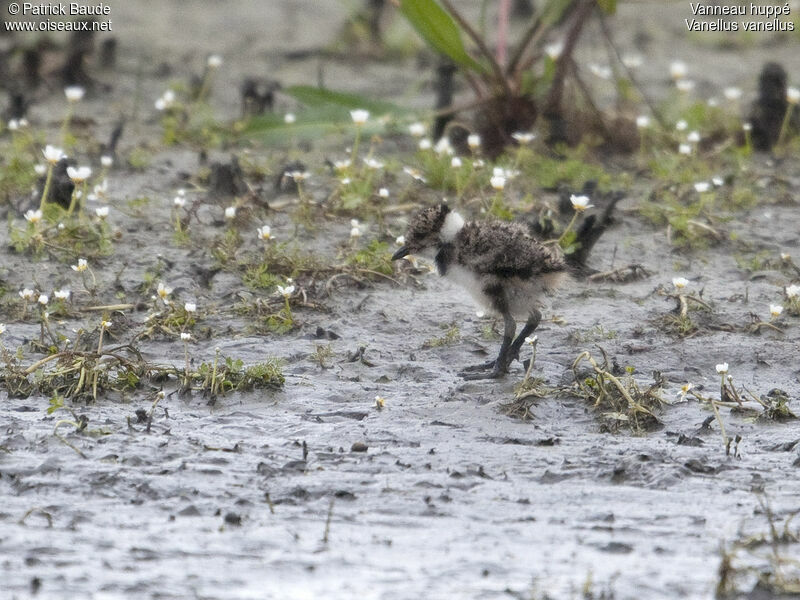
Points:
x=314, y=97
x=554, y=10
x=324, y=112
x=608, y=6
x=439, y=30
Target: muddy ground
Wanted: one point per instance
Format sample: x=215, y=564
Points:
x=451, y=498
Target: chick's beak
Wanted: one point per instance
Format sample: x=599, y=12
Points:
x=401, y=253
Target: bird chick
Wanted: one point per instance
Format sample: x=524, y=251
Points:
x=501, y=266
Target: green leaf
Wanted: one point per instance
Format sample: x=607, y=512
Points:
x=439, y=30
x=608, y=6
x=324, y=112
x=314, y=97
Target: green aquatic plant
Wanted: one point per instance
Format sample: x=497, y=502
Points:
x=512, y=88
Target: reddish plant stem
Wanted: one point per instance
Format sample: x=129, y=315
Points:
x=552, y=104
x=502, y=31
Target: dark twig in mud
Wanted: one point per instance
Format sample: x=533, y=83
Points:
x=622, y=275
x=327, y=532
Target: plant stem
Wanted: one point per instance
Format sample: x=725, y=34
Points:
x=65, y=125
x=470, y=31
x=569, y=227
x=354, y=155
x=785, y=124
x=46, y=186
x=502, y=31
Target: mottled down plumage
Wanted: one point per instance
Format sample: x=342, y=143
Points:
x=500, y=264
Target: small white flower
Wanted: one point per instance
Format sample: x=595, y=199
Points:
x=190, y=307
x=166, y=100
x=793, y=95
x=104, y=324
x=230, y=212
x=523, y=137
x=417, y=129
x=680, y=282
x=43, y=299
x=786, y=256
x=425, y=144
x=684, y=149
x=62, y=294
x=359, y=116
x=53, y=154
x=474, y=141
x=13, y=125
x=793, y=291
x=345, y=181
x=106, y=160
x=678, y=69
x=685, y=389
x=693, y=137
x=455, y=162
x=718, y=181
x=372, y=163
x=264, y=233
x=34, y=216
x=415, y=173
x=289, y=118
x=40, y=169
x=79, y=174
x=480, y=313
x=2, y=328
x=747, y=126
x=179, y=201
x=341, y=165
x=684, y=85
x=580, y=203
x=600, y=71
x=775, y=310
x=554, y=50
x=401, y=239
x=732, y=93
x=185, y=336
x=498, y=182
x=23, y=122
x=163, y=291
x=443, y=146
x=531, y=340
x=74, y=93
x=722, y=368
x=214, y=61
x=355, y=232
x=26, y=294
x=380, y=402
x=298, y=175
x=478, y=163
x=632, y=61
x=681, y=125
x=285, y=291
x=81, y=266
x=642, y=121
x=702, y=186
x=101, y=211
x=354, y=223
x=383, y=192
x=712, y=102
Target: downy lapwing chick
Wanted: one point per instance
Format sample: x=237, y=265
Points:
x=502, y=267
